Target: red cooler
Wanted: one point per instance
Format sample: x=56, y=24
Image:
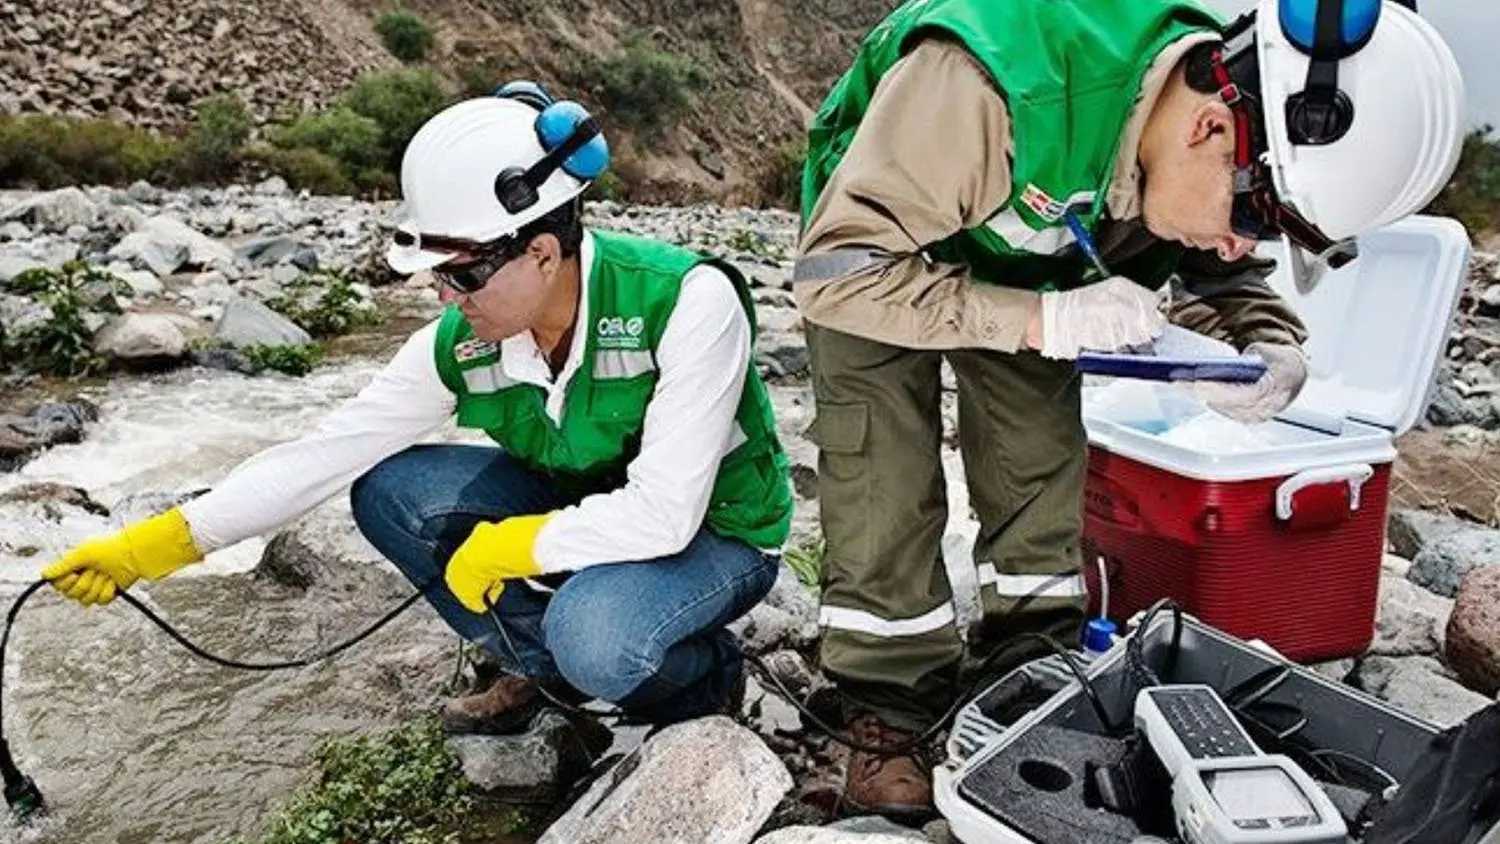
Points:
x=1277, y=531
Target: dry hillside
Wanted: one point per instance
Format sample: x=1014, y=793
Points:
x=764, y=64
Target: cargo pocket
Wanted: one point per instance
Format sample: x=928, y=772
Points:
x=841, y=433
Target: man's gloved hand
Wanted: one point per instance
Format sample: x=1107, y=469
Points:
x=98, y=568
x=1258, y=401
x=1104, y=316
x=494, y=553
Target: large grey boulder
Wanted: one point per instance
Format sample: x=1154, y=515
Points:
x=1441, y=565
x=703, y=780
x=1421, y=686
x=248, y=323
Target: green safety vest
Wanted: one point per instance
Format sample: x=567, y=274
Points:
x=632, y=290
x=1070, y=71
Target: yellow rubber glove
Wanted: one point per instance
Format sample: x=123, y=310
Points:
x=494, y=553
x=98, y=568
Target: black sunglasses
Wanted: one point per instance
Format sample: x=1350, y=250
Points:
x=473, y=276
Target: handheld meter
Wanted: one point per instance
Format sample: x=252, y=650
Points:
x=1224, y=789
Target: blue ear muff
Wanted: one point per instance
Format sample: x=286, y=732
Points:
x=1349, y=31
x=570, y=139
x=1327, y=31
x=557, y=123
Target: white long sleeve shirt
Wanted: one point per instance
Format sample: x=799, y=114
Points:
x=689, y=426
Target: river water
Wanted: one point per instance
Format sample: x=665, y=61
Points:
x=132, y=739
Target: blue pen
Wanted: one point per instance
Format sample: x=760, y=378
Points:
x=1085, y=241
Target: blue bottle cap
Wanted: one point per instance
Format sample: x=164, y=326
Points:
x=1098, y=635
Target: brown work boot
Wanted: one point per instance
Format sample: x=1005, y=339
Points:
x=505, y=707
x=886, y=785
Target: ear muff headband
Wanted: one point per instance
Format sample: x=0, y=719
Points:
x=1327, y=31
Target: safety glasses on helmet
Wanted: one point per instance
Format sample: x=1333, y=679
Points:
x=470, y=277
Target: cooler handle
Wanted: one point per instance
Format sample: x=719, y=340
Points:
x=1354, y=474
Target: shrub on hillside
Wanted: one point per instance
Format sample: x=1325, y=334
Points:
x=302, y=168
x=212, y=147
x=781, y=175
x=48, y=151
x=348, y=138
x=1472, y=196
x=646, y=88
x=399, y=102
x=405, y=34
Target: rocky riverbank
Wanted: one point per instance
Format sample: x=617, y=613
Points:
x=180, y=386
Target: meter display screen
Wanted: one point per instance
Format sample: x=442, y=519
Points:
x=1258, y=794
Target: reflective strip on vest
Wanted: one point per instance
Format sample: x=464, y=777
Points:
x=487, y=379
x=1064, y=585
x=1018, y=235
x=860, y=621
x=622, y=363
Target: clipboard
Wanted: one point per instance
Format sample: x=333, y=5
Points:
x=1177, y=355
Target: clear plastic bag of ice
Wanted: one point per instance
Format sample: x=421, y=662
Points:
x=1172, y=415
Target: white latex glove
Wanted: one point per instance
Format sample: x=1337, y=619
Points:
x=1105, y=316
x=1258, y=401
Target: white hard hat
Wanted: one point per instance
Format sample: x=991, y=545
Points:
x=458, y=169
x=1359, y=137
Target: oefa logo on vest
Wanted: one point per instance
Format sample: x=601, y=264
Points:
x=618, y=332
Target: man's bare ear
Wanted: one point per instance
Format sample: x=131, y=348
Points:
x=1210, y=119
x=547, y=250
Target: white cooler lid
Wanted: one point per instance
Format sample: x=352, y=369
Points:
x=1378, y=326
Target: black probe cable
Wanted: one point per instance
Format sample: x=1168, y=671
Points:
x=21, y=792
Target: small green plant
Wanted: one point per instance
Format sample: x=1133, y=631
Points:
x=325, y=304
x=404, y=786
x=288, y=360
x=63, y=343
x=806, y=561
x=406, y=34
x=646, y=88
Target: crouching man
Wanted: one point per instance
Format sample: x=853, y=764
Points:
x=635, y=496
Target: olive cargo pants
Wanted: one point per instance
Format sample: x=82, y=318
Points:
x=889, y=637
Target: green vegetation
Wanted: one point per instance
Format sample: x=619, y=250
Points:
x=642, y=87
x=781, y=175
x=399, y=102
x=288, y=360
x=354, y=145
x=406, y=34
x=609, y=186
x=48, y=151
x=401, y=787
x=325, y=304
x=62, y=344
x=806, y=561
x=1473, y=195
x=213, y=146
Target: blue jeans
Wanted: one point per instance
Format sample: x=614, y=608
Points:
x=646, y=635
